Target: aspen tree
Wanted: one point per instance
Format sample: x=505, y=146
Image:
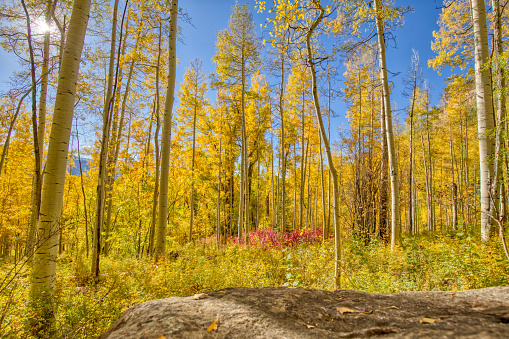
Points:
x=392, y=157
x=160, y=247
x=237, y=57
x=498, y=51
x=44, y=265
x=37, y=184
x=311, y=64
x=192, y=103
x=485, y=114
x=283, y=142
x=41, y=126
x=117, y=126
x=411, y=83
x=107, y=108
x=156, y=146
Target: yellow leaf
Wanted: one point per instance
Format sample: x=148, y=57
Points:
x=344, y=310
x=308, y=326
x=212, y=327
x=162, y=337
x=428, y=320
x=389, y=307
x=221, y=291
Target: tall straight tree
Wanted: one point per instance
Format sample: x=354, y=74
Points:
x=192, y=101
x=498, y=51
x=333, y=171
x=160, y=247
x=412, y=82
x=44, y=267
x=37, y=186
x=393, y=162
x=156, y=148
x=485, y=114
x=101, y=180
x=237, y=58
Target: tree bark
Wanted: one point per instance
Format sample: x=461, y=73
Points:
x=101, y=180
x=393, y=162
x=37, y=179
x=44, y=267
x=485, y=114
x=156, y=150
x=384, y=194
x=498, y=51
x=337, y=226
x=166, y=137
x=283, y=145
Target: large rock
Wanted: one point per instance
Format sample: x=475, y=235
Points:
x=306, y=313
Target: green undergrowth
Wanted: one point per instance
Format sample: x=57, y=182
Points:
x=450, y=261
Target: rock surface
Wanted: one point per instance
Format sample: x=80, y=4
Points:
x=305, y=313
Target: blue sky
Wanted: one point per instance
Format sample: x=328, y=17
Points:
x=208, y=17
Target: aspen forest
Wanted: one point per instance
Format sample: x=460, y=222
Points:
x=298, y=146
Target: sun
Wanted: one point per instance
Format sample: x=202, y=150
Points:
x=41, y=27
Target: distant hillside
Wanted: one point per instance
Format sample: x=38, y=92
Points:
x=85, y=166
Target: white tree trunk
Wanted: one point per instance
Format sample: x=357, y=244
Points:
x=166, y=137
x=485, y=113
x=335, y=183
x=393, y=162
x=44, y=266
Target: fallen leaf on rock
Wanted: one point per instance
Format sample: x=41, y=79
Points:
x=451, y=294
x=308, y=326
x=162, y=337
x=389, y=307
x=428, y=320
x=221, y=291
x=199, y=296
x=344, y=310
x=212, y=327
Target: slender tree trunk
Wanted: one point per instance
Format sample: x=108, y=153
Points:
x=36, y=194
x=283, y=145
x=156, y=150
x=393, y=162
x=160, y=247
x=99, y=211
x=454, y=187
x=384, y=190
x=44, y=266
x=485, y=114
x=83, y=191
x=498, y=50
x=37, y=179
x=337, y=226
x=322, y=184
x=218, y=204
x=294, y=221
x=302, y=165
x=116, y=137
x=191, y=205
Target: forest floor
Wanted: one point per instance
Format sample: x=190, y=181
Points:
x=448, y=261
